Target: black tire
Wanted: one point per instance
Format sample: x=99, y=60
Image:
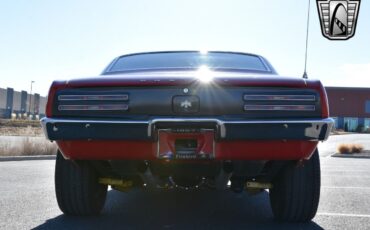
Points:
x=296, y=191
x=77, y=189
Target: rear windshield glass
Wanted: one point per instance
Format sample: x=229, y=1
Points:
x=188, y=60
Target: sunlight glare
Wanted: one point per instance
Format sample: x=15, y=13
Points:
x=204, y=74
x=203, y=52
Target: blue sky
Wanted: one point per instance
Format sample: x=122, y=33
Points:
x=45, y=40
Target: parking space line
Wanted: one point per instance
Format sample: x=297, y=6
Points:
x=342, y=214
x=344, y=187
x=344, y=171
x=346, y=176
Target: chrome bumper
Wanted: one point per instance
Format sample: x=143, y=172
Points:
x=76, y=129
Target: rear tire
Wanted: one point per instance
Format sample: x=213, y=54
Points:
x=77, y=189
x=296, y=191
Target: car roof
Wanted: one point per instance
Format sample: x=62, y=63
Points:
x=271, y=68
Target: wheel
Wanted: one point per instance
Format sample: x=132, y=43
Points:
x=296, y=191
x=77, y=189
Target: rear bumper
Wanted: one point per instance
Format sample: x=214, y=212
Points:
x=225, y=130
x=234, y=140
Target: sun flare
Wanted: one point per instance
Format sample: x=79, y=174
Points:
x=204, y=74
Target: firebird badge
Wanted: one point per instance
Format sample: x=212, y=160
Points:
x=338, y=18
x=186, y=104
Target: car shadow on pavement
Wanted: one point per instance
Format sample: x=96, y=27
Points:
x=203, y=209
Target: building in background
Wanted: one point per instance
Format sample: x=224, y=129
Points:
x=18, y=103
x=350, y=107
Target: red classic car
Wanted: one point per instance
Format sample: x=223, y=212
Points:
x=188, y=119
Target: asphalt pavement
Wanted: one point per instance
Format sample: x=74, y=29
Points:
x=27, y=201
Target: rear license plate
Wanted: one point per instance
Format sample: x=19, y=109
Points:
x=197, y=144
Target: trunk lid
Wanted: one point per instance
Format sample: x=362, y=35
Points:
x=186, y=78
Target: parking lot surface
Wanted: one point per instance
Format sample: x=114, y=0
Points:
x=330, y=146
x=28, y=201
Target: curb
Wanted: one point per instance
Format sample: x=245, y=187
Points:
x=27, y=158
x=354, y=155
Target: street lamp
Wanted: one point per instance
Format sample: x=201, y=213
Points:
x=29, y=103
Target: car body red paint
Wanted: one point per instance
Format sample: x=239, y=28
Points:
x=147, y=150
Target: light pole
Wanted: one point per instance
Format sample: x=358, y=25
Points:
x=29, y=103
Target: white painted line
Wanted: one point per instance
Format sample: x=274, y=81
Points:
x=344, y=171
x=345, y=177
x=362, y=167
x=27, y=158
x=344, y=187
x=342, y=214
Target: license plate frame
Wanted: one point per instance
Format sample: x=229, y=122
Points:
x=166, y=144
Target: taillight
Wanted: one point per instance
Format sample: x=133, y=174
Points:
x=112, y=97
x=85, y=100
x=281, y=100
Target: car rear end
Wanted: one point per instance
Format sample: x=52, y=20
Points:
x=186, y=128
x=237, y=119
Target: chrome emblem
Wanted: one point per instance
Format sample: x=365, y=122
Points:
x=186, y=90
x=338, y=18
x=186, y=104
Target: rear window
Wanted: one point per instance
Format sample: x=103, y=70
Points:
x=188, y=60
